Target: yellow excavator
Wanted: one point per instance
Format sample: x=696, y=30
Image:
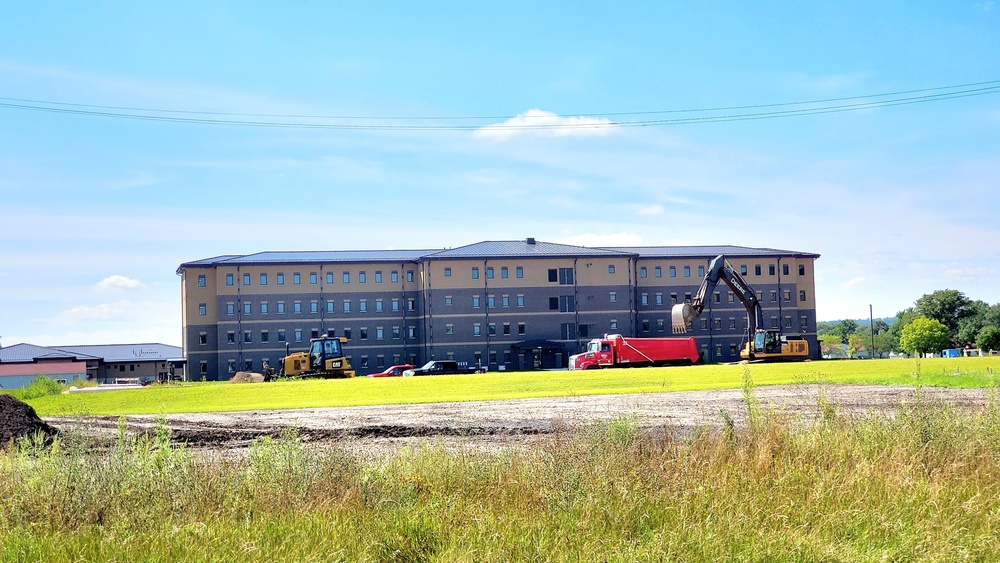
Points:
x=762, y=344
x=325, y=358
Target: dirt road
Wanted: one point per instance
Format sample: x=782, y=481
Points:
x=496, y=424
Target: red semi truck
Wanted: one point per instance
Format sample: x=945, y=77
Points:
x=615, y=350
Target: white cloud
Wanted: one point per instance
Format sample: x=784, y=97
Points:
x=852, y=282
x=596, y=240
x=117, y=283
x=545, y=124
x=654, y=209
x=967, y=274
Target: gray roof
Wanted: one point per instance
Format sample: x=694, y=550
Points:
x=521, y=249
x=528, y=248
x=126, y=352
x=26, y=353
x=709, y=252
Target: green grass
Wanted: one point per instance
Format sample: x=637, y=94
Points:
x=918, y=486
x=221, y=396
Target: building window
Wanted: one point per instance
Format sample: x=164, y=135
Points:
x=281, y=335
x=202, y=338
x=687, y=271
x=644, y=299
x=788, y=322
x=701, y=271
x=263, y=308
x=732, y=322
x=447, y=272
x=475, y=273
x=673, y=298
x=489, y=272
x=264, y=336
x=504, y=272
x=743, y=269
x=329, y=278
x=379, y=333
x=246, y=308
x=203, y=367
x=347, y=305
x=718, y=324
x=611, y=268
x=804, y=321
x=297, y=307
x=346, y=277
x=411, y=304
x=314, y=306
x=506, y=328
x=717, y=296
x=774, y=295
x=732, y=297
x=614, y=325
x=475, y=301
x=521, y=329
x=520, y=300
x=659, y=325
x=231, y=337
x=802, y=270
x=787, y=295
x=395, y=303
x=229, y=279
x=784, y=269
x=774, y=322
x=362, y=277
x=802, y=295
x=378, y=276
x=645, y=325
x=448, y=300
x=363, y=333
x=313, y=278
x=519, y=272
x=553, y=275
x=642, y=272
x=491, y=302
x=553, y=303
x=364, y=361
x=658, y=272
x=247, y=336
x=378, y=305
x=347, y=333
x=492, y=329
x=331, y=306
x=231, y=366
x=298, y=335
x=411, y=332
x=659, y=299
x=280, y=278
x=201, y=281
x=505, y=301
x=230, y=309
x=756, y=269
x=394, y=276
x=246, y=279
x=477, y=330
x=296, y=278
x=263, y=278
x=202, y=309
x=409, y=275
x=673, y=271
x=770, y=269
x=363, y=306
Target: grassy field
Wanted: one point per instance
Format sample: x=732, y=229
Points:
x=920, y=486
x=221, y=396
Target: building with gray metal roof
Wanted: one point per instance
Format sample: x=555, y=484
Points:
x=105, y=363
x=481, y=303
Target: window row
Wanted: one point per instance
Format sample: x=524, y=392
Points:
x=329, y=306
x=314, y=277
x=491, y=329
x=298, y=334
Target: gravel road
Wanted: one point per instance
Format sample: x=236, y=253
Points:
x=497, y=424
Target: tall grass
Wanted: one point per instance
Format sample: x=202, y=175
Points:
x=920, y=485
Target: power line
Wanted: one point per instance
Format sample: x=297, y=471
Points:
x=812, y=107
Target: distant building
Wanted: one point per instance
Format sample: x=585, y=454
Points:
x=20, y=364
x=521, y=304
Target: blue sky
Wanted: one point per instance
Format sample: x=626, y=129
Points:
x=96, y=213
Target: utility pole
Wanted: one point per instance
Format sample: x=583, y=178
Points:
x=871, y=326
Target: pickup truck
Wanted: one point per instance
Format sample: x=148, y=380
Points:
x=442, y=367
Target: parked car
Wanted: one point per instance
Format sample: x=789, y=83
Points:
x=443, y=367
x=392, y=371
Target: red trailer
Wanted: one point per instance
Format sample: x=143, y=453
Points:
x=615, y=350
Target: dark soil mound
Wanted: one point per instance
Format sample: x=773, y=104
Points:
x=18, y=419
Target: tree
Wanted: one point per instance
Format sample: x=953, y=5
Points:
x=843, y=329
x=855, y=343
x=924, y=335
x=947, y=306
x=903, y=318
x=988, y=338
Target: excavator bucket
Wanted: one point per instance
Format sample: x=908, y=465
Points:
x=680, y=315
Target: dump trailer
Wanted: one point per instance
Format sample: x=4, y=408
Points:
x=615, y=350
x=762, y=344
x=325, y=358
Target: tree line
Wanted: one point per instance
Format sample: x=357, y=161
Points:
x=939, y=320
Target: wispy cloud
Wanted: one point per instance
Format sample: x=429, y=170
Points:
x=852, y=282
x=115, y=283
x=542, y=123
x=611, y=239
x=654, y=209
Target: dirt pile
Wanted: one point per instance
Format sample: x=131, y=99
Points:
x=246, y=377
x=18, y=420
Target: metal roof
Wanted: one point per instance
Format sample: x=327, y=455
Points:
x=521, y=249
x=709, y=252
x=26, y=353
x=528, y=248
x=126, y=352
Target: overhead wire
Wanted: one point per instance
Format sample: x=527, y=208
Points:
x=812, y=107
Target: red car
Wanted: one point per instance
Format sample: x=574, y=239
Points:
x=392, y=371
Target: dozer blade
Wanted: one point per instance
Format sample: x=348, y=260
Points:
x=679, y=317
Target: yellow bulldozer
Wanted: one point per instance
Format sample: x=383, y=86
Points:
x=325, y=358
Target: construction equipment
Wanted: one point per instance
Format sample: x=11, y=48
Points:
x=615, y=350
x=762, y=344
x=325, y=358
